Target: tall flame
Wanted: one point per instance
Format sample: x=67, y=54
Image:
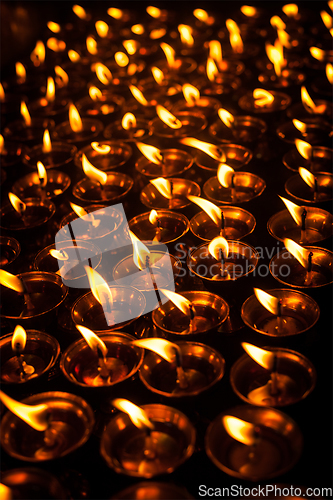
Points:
x=37, y=56
x=150, y=152
x=164, y=348
x=93, y=172
x=42, y=175
x=20, y=72
x=211, y=69
x=102, y=28
x=181, y=302
x=226, y=117
x=140, y=251
x=95, y=93
x=47, y=146
x=169, y=54
x=317, y=53
x=154, y=11
x=99, y=287
x=18, y=204
x=225, y=175
x=275, y=55
x=121, y=59
x=102, y=149
x=62, y=77
x=307, y=177
x=37, y=416
x=25, y=114
x=277, y=23
x=75, y=119
x=242, y=431
x=138, y=95
x=327, y=19
x=74, y=56
x=236, y=41
x=304, y=148
x=19, y=339
x=329, y=72
x=50, y=90
x=103, y=73
x=163, y=186
x=290, y=9
x=294, y=210
x=248, y=10
x=261, y=356
x=301, y=254
x=54, y=27
x=158, y=75
x=191, y=93
x=212, y=210
x=93, y=341
x=131, y=46
x=11, y=281
x=217, y=244
x=91, y=45
x=137, y=415
x=186, y=34
x=79, y=12
x=268, y=301
x=215, y=51
x=210, y=149
x=301, y=126
x=115, y=13
x=309, y=104
x=168, y=118
x=262, y=97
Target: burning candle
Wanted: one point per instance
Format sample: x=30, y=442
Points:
x=50, y=105
x=208, y=106
x=162, y=226
x=315, y=159
x=309, y=187
x=217, y=64
x=323, y=84
x=105, y=155
x=29, y=214
x=100, y=103
x=78, y=130
x=174, y=65
x=260, y=101
x=42, y=184
x=218, y=81
x=165, y=162
x=242, y=129
x=10, y=153
x=309, y=108
x=169, y=193
x=280, y=73
x=129, y=129
x=184, y=123
x=313, y=130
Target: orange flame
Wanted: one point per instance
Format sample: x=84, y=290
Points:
x=2, y=145
x=62, y=79
x=103, y=73
x=201, y=15
x=42, y=175
x=79, y=12
x=95, y=93
x=74, y=56
x=59, y=254
x=210, y=149
x=93, y=172
x=20, y=72
x=6, y=493
x=301, y=126
x=140, y=251
x=158, y=75
x=138, y=416
x=91, y=45
x=262, y=97
x=150, y=152
x=248, y=10
x=169, y=54
x=215, y=52
x=191, y=93
x=54, y=27
x=304, y=148
x=88, y=217
x=102, y=149
x=131, y=46
x=181, y=302
x=226, y=117
x=238, y=429
x=37, y=416
x=154, y=12
x=290, y=9
x=277, y=23
x=261, y=356
x=225, y=175
x=317, y=53
x=294, y=210
x=18, y=205
x=37, y=56
x=284, y=38
x=162, y=347
x=115, y=13
x=99, y=287
x=128, y=121
x=211, y=69
x=268, y=301
x=300, y=253
x=2, y=93
x=236, y=41
x=207, y=206
x=329, y=72
x=138, y=95
x=307, y=177
x=102, y=28
x=168, y=118
x=25, y=113
x=19, y=339
x=47, y=146
x=56, y=45
x=93, y=341
x=217, y=244
x=327, y=19
x=275, y=55
x=157, y=33
x=309, y=104
x=121, y=59
x=50, y=91
x=163, y=186
x=186, y=34
x=330, y=4
x=75, y=119
x=11, y=281
x=153, y=217
x=138, y=29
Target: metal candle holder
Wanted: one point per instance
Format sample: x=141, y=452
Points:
x=236, y=156
x=10, y=249
x=91, y=129
x=192, y=123
x=247, y=186
x=140, y=132
x=29, y=185
x=244, y=129
x=31, y=482
x=248, y=103
x=175, y=162
x=320, y=161
x=60, y=156
x=117, y=187
x=181, y=188
x=117, y=156
x=238, y=223
x=37, y=213
x=173, y=226
x=298, y=189
x=318, y=131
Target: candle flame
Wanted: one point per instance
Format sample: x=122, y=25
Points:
x=309, y=104
x=137, y=415
x=54, y=27
x=25, y=114
x=238, y=429
x=62, y=77
x=74, y=56
x=102, y=149
x=2, y=145
x=20, y=72
x=300, y=253
x=92, y=340
x=329, y=72
x=91, y=45
x=275, y=55
x=217, y=244
x=95, y=93
x=201, y=15
x=5, y=492
x=11, y=281
x=186, y=34
x=56, y=45
x=304, y=148
x=327, y=19
x=93, y=172
x=88, y=217
x=211, y=69
x=191, y=93
x=215, y=51
x=168, y=118
x=162, y=347
x=330, y=4
x=132, y=69
x=294, y=210
x=37, y=56
x=317, y=53
x=307, y=177
x=210, y=149
x=301, y=126
x=262, y=97
x=163, y=186
x=225, y=175
x=268, y=301
x=47, y=145
x=121, y=59
x=290, y=9
x=58, y=254
x=99, y=287
x=128, y=121
x=138, y=95
x=277, y=23
x=261, y=356
x=158, y=75
x=37, y=416
x=102, y=28
x=75, y=119
x=169, y=53
x=131, y=46
x=153, y=12
x=236, y=41
x=140, y=252
x=2, y=93
x=19, y=339
x=138, y=29
x=226, y=117
x=150, y=152
x=42, y=175
x=153, y=217
x=181, y=302
x=248, y=10
x=50, y=90
x=103, y=73
x=284, y=38
x=157, y=33
x=211, y=210
x=115, y=13
x=18, y=204
x=79, y=12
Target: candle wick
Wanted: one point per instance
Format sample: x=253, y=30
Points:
x=304, y=214
x=153, y=280
x=315, y=194
x=74, y=241
x=310, y=262
x=20, y=361
x=104, y=372
x=274, y=389
x=192, y=313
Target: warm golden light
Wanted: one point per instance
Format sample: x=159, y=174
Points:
x=191, y=93
x=211, y=210
x=181, y=302
x=217, y=244
x=210, y=149
x=236, y=41
x=215, y=51
x=121, y=59
x=37, y=56
x=211, y=69
x=2, y=93
x=62, y=79
x=275, y=55
x=131, y=46
x=47, y=146
x=102, y=28
x=88, y=217
x=163, y=186
x=11, y=281
x=330, y=4
x=294, y=210
x=327, y=19
x=37, y=416
x=19, y=339
x=56, y=45
x=304, y=148
x=158, y=75
x=225, y=175
x=138, y=416
x=138, y=95
x=140, y=252
x=169, y=53
x=262, y=97
x=58, y=254
x=103, y=73
x=128, y=121
x=226, y=117
x=50, y=90
x=307, y=177
x=308, y=103
x=93, y=341
x=5, y=492
x=153, y=217
x=18, y=205
x=168, y=118
x=2, y=145
x=75, y=119
x=20, y=72
x=242, y=431
x=93, y=172
x=186, y=34
x=74, y=56
x=301, y=126
x=248, y=10
x=290, y=9
x=300, y=253
x=25, y=114
x=277, y=23
x=201, y=15
x=115, y=13
x=329, y=72
x=102, y=149
x=91, y=45
x=284, y=38
x=317, y=53
x=157, y=33
x=153, y=12
x=95, y=93
x=42, y=175
x=79, y=12
x=99, y=288
x=54, y=27
x=138, y=29
x=150, y=152
x=261, y=356
x=162, y=347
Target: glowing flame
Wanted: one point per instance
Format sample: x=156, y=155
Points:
x=191, y=93
x=79, y=12
x=207, y=206
x=91, y=45
x=240, y=430
x=95, y=93
x=54, y=27
x=102, y=149
x=88, y=217
x=103, y=73
x=128, y=121
x=201, y=15
x=168, y=118
x=261, y=356
x=153, y=217
x=300, y=253
x=211, y=69
x=277, y=23
x=217, y=244
x=304, y=148
x=309, y=104
x=181, y=302
x=19, y=339
x=301, y=126
x=138, y=29
x=317, y=53
x=18, y=205
x=330, y=4
x=268, y=301
x=121, y=59
x=93, y=341
x=163, y=186
x=138, y=95
x=248, y=10
x=93, y=172
x=284, y=38
x=56, y=45
x=74, y=56
x=130, y=46
x=47, y=146
x=290, y=9
x=327, y=19
x=162, y=347
x=236, y=41
x=37, y=416
x=20, y=72
x=136, y=414
x=215, y=51
x=75, y=119
x=11, y=281
x=115, y=13
x=307, y=177
x=42, y=175
x=158, y=75
x=62, y=79
x=150, y=152
x=25, y=113
x=132, y=69
x=329, y=72
x=169, y=54
x=37, y=56
x=140, y=252
x=2, y=93
x=102, y=28
x=186, y=34
x=226, y=117
x=294, y=210
x=157, y=33
x=154, y=12
x=210, y=149
x=275, y=55
x=225, y=175
x=262, y=97
x=58, y=254
x=99, y=287
x=2, y=145
x=50, y=91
